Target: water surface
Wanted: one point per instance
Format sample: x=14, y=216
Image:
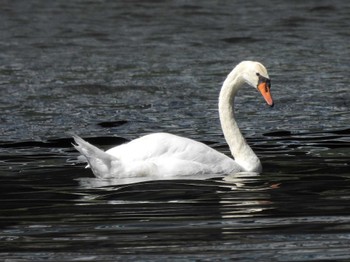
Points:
x=112, y=71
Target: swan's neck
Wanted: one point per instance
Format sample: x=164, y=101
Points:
x=240, y=150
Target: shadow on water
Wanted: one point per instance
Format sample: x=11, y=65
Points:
x=55, y=209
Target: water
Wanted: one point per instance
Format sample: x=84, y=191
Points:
x=111, y=71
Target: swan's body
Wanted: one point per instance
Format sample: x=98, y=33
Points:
x=163, y=155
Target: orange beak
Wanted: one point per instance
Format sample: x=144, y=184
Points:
x=264, y=89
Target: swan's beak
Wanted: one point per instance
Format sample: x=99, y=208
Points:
x=264, y=89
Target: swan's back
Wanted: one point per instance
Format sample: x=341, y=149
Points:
x=165, y=145
x=157, y=155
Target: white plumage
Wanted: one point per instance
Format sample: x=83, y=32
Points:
x=159, y=155
x=163, y=155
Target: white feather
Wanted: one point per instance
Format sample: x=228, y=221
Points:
x=163, y=155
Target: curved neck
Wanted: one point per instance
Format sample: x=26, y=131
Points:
x=239, y=148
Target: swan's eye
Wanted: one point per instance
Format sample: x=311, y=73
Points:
x=265, y=80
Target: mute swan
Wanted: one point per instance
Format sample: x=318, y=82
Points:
x=163, y=155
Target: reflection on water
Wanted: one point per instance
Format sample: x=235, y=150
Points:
x=295, y=208
x=113, y=71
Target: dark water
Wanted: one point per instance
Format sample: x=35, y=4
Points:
x=111, y=71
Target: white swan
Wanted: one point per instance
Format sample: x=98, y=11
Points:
x=162, y=155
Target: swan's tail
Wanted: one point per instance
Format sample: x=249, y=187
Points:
x=102, y=164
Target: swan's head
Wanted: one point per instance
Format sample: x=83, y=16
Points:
x=255, y=75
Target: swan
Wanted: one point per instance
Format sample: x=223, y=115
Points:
x=164, y=155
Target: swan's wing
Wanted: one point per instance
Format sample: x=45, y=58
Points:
x=174, y=153
x=157, y=155
x=163, y=145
